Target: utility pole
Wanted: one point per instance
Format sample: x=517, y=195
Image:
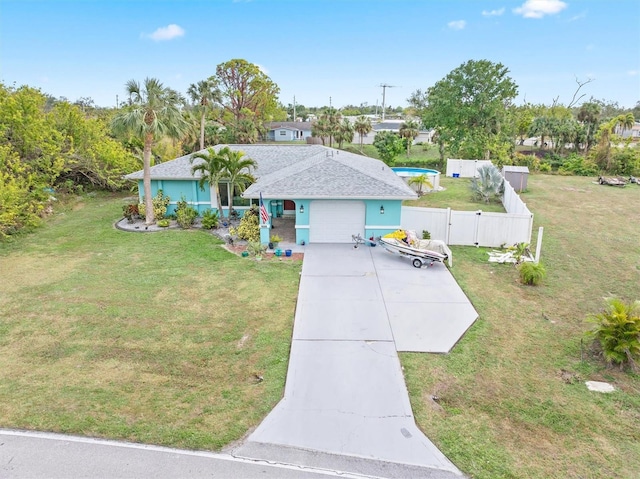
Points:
x=294, y=108
x=384, y=91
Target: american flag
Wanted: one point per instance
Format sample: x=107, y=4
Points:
x=264, y=214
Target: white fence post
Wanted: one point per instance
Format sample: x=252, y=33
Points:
x=539, y=244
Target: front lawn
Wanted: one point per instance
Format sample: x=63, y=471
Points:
x=510, y=399
x=150, y=337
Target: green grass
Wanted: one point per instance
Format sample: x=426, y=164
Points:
x=457, y=196
x=504, y=409
x=150, y=337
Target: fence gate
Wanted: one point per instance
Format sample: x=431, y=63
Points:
x=463, y=227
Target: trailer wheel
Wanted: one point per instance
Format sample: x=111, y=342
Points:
x=417, y=263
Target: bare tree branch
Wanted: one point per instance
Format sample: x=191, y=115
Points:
x=575, y=100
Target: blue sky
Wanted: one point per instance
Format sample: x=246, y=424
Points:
x=316, y=49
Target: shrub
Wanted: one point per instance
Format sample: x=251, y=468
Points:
x=160, y=204
x=617, y=329
x=255, y=248
x=531, y=273
x=249, y=227
x=625, y=161
x=185, y=214
x=275, y=239
x=210, y=219
x=130, y=212
x=164, y=223
x=544, y=167
x=530, y=161
x=488, y=185
x=577, y=165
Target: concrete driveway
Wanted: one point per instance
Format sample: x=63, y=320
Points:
x=345, y=398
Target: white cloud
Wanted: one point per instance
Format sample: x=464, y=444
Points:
x=457, y=24
x=578, y=16
x=540, y=8
x=167, y=33
x=493, y=13
x=632, y=73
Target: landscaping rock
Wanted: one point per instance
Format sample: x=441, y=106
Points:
x=600, y=387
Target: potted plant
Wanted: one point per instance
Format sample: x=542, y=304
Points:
x=255, y=249
x=274, y=241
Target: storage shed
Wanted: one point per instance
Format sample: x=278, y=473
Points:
x=516, y=176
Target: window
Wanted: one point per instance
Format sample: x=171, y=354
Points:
x=283, y=133
x=237, y=199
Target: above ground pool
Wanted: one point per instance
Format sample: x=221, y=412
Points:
x=407, y=173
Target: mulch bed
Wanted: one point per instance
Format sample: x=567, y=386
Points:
x=269, y=255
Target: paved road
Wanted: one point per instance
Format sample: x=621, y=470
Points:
x=50, y=456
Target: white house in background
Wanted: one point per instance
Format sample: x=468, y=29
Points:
x=633, y=132
x=288, y=131
x=425, y=136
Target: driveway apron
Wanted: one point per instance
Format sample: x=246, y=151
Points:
x=345, y=391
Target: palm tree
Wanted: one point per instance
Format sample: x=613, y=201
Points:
x=420, y=181
x=237, y=171
x=625, y=122
x=409, y=130
x=320, y=129
x=363, y=127
x=203, y=94
x=344, y=133
x=330, y=121
x=212, y=170
x=153, y=113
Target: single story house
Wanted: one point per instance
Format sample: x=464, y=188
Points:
x=326, y=194
x=288, y=131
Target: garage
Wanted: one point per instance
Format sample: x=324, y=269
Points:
x=334, y=221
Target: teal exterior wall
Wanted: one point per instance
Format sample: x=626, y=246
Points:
x=378, y=224
x=176, y=189
x=302, y=221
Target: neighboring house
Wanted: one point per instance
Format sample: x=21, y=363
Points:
x=424, y=136
x=633, y=132
x=288, y=130
x=327, y=194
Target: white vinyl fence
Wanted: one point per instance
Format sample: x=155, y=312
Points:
x=474, y=228
x=465, y=168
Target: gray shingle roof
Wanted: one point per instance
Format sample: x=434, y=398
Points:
x=303, y=171
x=291, y=125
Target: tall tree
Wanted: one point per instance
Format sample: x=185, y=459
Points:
x=237, y=171
x=363, y=127
x=389, y=145
x=247, y=93
x=320, y=129
x=589, y=116
x=212, y=169
x=154, y=113
x=409, y=130
x=331, y=118
x=468, y=107
x=203, y=94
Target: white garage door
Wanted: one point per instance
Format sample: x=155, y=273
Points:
x=334, y=221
